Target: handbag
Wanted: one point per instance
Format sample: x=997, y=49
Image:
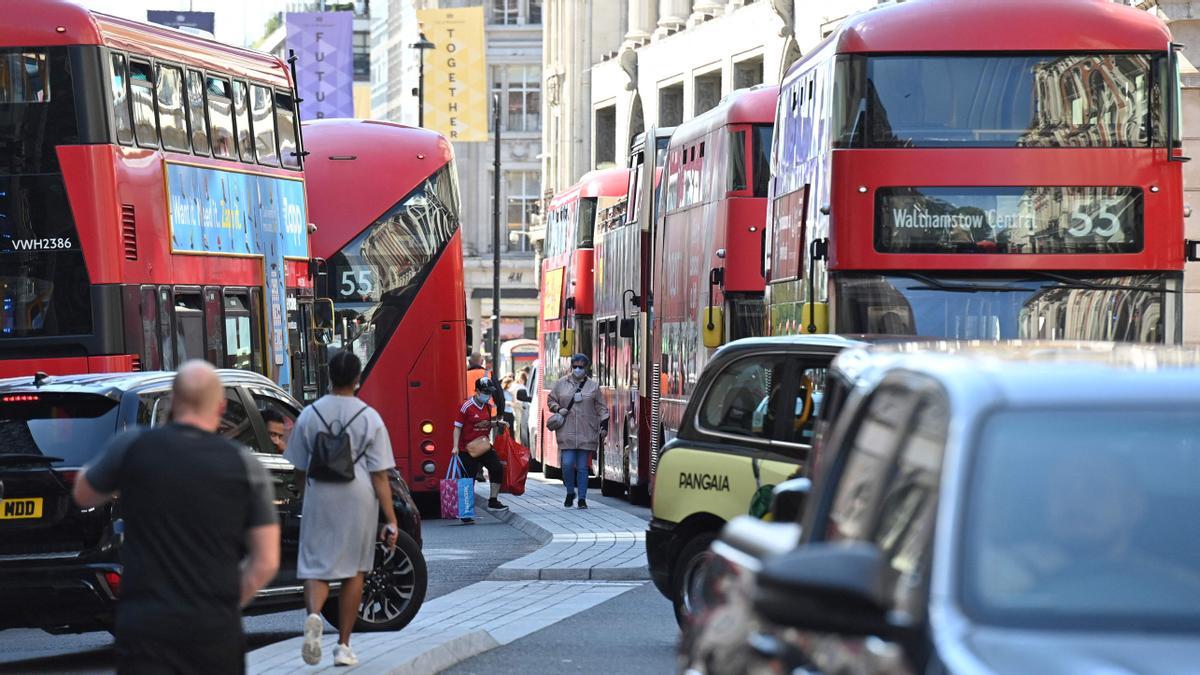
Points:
x=448, y=489
x=557, y=420
x=478, y=447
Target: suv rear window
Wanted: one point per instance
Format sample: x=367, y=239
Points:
x=71, y=426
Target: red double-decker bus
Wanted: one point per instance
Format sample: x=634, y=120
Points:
x=384, y=199
x=623, y=259
x=707, y=260
x=568, y=300
x=152, y=203
x=971, y=170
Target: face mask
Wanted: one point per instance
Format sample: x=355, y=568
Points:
x=481, y=398
x=578, y=371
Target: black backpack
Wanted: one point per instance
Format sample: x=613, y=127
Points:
x=332, y=459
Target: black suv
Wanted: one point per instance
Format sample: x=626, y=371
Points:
x=60, y=565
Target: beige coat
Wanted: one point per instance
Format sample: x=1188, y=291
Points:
x=588, y=418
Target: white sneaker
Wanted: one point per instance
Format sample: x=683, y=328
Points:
x=344, y=656
x=310, y=651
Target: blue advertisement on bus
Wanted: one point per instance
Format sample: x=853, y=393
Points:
x=218, y=212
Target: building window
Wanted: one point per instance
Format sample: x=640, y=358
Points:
x=748, y=73
x=520, y=91
x=362, y=56
x=605, y=140
x=506, y=12
x=524, y=189
x=670, y=105
x=707, y=92
x=534, y=13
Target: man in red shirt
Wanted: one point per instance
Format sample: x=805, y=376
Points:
x=474, y=420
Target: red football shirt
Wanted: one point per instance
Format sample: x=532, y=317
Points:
x=472, y=419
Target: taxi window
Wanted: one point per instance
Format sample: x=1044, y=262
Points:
x=742, y=398
x=809, y=397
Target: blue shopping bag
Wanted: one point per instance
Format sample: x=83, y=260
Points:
x=466, y=492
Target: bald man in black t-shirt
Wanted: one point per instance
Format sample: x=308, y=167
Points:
x=196, y=506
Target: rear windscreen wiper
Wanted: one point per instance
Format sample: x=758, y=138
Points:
x=932, y=284
x=1065, y=281
x=14, y=458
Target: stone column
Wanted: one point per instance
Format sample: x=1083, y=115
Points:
x=642, y=14
x=704, y=9
x=672, y=15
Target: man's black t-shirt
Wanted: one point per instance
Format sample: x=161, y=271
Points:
x=187, y=497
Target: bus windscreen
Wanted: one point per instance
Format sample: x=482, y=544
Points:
x=1001, y=101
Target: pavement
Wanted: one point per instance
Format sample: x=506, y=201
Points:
x=587, y=557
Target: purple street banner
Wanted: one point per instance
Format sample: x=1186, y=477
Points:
x=324, y=46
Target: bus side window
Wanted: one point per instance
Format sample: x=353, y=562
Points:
x=169, y=91
x=189, y=326
x=198, y=121
x=122, y=117
x=241, y=113
x=262, y=110
x=220, y=117
x=285, y=122
x=141, y=81
x=150, y=345
x=166, y=335
x=239, y=346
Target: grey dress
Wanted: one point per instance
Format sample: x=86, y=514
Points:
x=340, y=521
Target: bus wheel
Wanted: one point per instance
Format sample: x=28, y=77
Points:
x=687, y=578
x=552, y=472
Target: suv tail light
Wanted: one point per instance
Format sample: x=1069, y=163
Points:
x=113, y=580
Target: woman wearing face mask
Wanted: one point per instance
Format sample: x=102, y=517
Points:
x=475, y=421
x=578, y=398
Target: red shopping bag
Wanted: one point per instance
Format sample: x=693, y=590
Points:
x=448, y=488
x=515, y=458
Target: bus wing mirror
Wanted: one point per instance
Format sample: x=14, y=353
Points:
x=566, y=343
x=814, y=317
x=712, y=326
x=323, y=313
x=627, y=328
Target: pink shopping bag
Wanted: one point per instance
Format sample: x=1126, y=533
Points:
x=448, y=488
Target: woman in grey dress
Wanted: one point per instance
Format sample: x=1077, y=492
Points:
x=340, y=520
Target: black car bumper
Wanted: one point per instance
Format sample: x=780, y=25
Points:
x=660, y=554
x=57, y=598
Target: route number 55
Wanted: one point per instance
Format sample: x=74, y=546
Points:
x=356, y=282
x=1104, y=224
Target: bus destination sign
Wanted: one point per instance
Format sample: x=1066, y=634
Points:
x=1009, y=220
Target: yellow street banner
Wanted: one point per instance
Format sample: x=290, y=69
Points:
x=456, y=90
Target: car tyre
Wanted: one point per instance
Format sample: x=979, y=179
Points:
x=393, y=591
x=687, y=574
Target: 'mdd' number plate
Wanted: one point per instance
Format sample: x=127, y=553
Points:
x=11, y=509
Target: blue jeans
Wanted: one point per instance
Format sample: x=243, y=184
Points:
x=575, y=471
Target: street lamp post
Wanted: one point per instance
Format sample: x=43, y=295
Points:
x=421, y=46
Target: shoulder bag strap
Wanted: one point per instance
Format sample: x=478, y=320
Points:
x=578, y=389
x=346, y=428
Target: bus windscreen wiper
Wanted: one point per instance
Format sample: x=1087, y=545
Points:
x=1067, y=282
x=932, y=284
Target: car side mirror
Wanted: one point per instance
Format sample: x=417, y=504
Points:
x=826, y=587
x=788, y=499
x=627, y=328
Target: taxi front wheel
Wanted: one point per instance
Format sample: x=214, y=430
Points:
x=688, y=575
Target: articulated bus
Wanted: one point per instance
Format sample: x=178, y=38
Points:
x=384, y=200
x=971, y=170
x=623, y=259
x=707, y=265
x=568, y=302
x=152, y=204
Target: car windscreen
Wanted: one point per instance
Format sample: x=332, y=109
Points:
x=74, y=427
x=1080, y=520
